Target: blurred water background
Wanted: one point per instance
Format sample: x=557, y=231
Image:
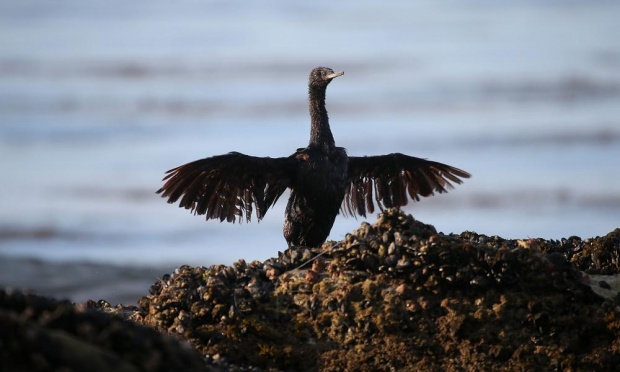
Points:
x=99, y=98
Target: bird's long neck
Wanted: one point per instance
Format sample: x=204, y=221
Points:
x=320, y=133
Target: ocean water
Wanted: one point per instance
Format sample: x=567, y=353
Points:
x=99, y=98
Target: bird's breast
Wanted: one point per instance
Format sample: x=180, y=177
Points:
x=321, y=173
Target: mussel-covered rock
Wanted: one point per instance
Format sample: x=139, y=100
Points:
x=398, y=295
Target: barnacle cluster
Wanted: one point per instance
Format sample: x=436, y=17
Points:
x=393, y=295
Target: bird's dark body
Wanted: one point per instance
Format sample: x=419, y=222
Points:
x=316, y=195
x=321, y=177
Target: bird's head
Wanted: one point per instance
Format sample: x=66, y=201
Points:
x=321, y=76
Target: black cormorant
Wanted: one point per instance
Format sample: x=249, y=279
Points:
x=321, y=177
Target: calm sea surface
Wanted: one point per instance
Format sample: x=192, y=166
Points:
x=99, y=98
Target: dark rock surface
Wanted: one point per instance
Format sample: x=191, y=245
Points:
x=42, y=334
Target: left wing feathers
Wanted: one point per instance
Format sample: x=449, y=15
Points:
x=229, y=187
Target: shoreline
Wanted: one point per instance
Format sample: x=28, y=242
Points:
x=79, y=281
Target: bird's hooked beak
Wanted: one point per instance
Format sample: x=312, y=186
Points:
x=335, y=75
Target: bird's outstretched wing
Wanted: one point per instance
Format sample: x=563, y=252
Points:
x=228, y=187
x=388, y=179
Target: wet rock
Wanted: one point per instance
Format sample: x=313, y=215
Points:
x=397, y=293
x=42, y=334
